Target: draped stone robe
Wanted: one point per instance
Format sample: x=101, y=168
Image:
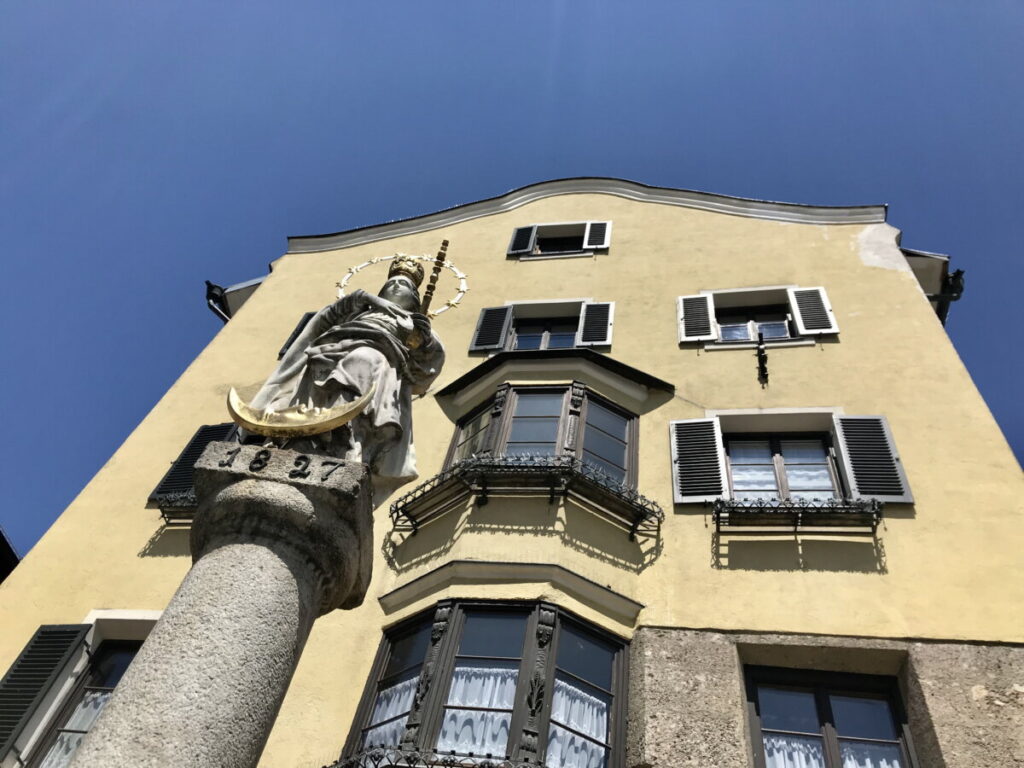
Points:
x=343, y=350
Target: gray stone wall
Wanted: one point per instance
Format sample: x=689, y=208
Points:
x=687, y=704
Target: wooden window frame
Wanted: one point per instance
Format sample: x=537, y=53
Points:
x=501, y=425
x=821, y=684
x=752, y=323
x=513, y=335
x=435, y=678
x=778, y=462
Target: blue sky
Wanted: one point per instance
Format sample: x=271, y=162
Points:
x=145, y=147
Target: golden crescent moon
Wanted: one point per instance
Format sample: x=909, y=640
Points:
x=292, y=422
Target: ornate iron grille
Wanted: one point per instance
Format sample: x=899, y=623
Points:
x=483, y=475
x=401, y=758
x=798, y=514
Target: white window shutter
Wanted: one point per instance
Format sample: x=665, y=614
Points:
x=869, y=461
x=698, y=460
x=523, y=240
x=812, y=311
x=598, y=234
x=696, y=317
x=596, y=322
x=491, y=329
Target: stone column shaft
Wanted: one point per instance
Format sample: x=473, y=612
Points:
x=272, y=550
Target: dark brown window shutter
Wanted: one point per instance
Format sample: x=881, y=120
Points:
x=698, y=461
x=596, y=320
x=295, y=333
x=522, y=240
x=870, y=463
x=176, y=487
x=697, y=318
x=33, y=672
x=491, y=328
x=812, y=311
x=598, y=234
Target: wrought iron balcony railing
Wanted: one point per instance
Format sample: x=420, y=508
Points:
x=797, y=514
x=483, y=476
x=401, y=758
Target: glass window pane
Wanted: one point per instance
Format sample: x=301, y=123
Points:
x=528, y=340
x=747, y=477
x=773, y=330
x=539, y=404
x=88, y=710
x=540, y=430
x=808, y=478
x=583, y=710
x=585, y=656
x=607, y=420
x=861, y=755
x=782, y=751
x=735, y=332
x=562, y=340
x=530, y=449
x=408, y=650
x=863, y=717
x=464, y=731
x=569, y=750
x=112, y=663
x=489, y=633
x=607, y=448
x=62, y=750
x=804, y=451
x=394, y=700
x=787, y=710
x=488, y=684
x=769, y=495
x=596, y=462
x=750, y=452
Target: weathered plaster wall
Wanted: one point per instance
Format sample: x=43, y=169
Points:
x=965, y=702
x=946, y=559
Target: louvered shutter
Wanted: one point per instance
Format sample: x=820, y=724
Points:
x=29, y=679
x=868, y=457
x=295, y=334
x=598, y=234
x=596, y=321
x=523, y=240
x=812, y=311
x=696, y=318
x=491, y=329
x=176, y=486
x=698, y=460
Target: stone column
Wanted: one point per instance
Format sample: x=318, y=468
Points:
x=279, y=538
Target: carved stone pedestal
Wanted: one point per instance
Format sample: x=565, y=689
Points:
x=279, y=539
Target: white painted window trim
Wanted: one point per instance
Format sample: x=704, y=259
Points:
x=585, y=252
x=802, y=340
x=107, y=624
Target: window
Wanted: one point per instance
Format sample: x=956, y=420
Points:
x=517, y=681
x=106, y=667
x=535, y=421
x=561, y=239
x=544, y=325
x=802, y=719
x=778, y=314
x=796, y=456
x=782, y=466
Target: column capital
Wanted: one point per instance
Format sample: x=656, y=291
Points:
x=318, y=507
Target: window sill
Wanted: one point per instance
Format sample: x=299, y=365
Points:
x=714, y=346
x=552, y=255
x=482, y=476
x=798, y=515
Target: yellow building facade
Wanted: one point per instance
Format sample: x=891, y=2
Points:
x=703, y=481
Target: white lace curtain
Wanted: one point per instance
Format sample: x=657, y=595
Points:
x=81, y=719
x=391, y=702
x=583, y=712
x=476, y=685
x=793, y=752
x=862, y=755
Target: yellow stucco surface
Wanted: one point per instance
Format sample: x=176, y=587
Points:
x=945, y=567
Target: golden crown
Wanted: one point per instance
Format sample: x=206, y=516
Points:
x=408, y=266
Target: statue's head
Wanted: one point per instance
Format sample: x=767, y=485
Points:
x=404, y=278
x=402, y=291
